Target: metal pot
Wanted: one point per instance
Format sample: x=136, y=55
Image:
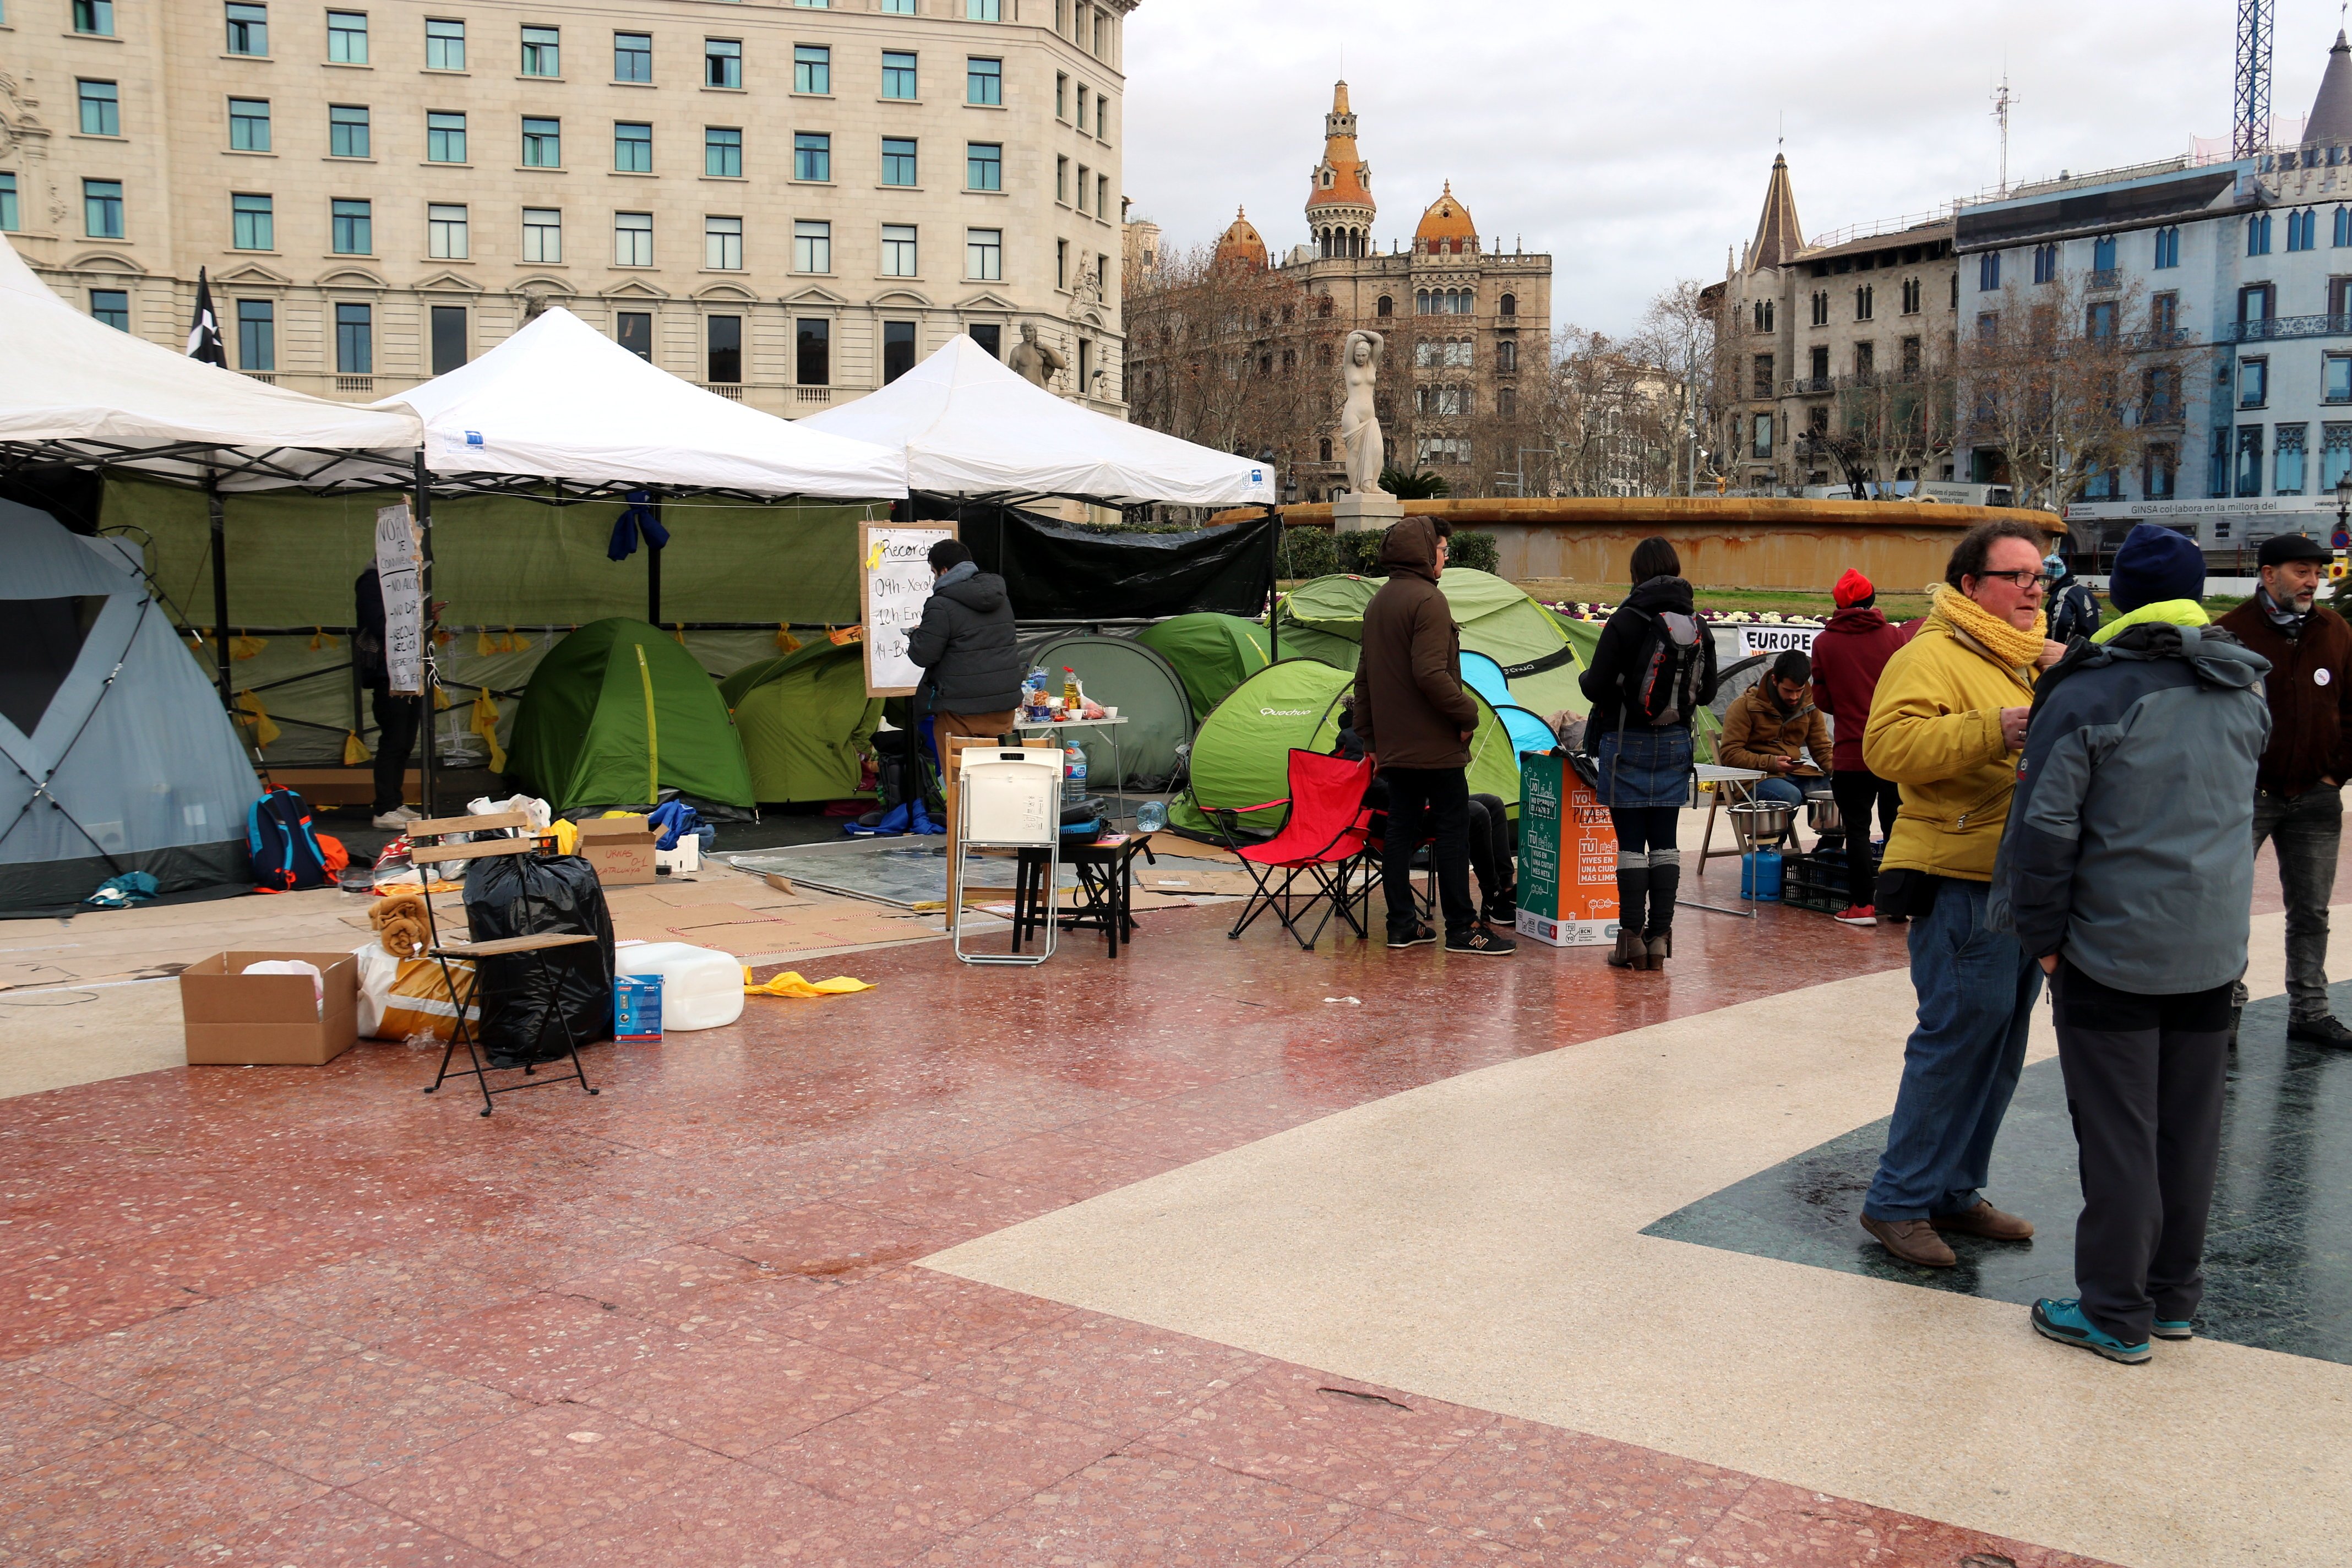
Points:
x=1821, y=814
x=1758, y=821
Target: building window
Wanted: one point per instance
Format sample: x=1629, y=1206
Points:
x=446, y=238
x=1384, y=306
x=1865, y=360
x=1061, y=264
x=2253, y=382
x=1761, y=315
x=2287, y=464
x=1061, y=106
x=111, y=306
x=101, y=208
x=347, y=37
x=812, y=352
x=2343, y=234
x=983, y=253
x=722, y=62
x=248, y=125
x=249, y=28
x=1102, y=196
x=1988, y=272
x=811, y=68
x=2102, y=483
x=634, y=330
x=448, y=338
x=633, y=146
x=2258, y=243
x=722, y=152
x=102, y=108
x=2157, y=472
x=1761, y=444
x=812, y=246
x=1911, y=350
x=445, y=137
x=1988, y=326
x=898, y=159
x=542, y=234
x=347, y=131
x=353, y=227
x=632, y=57
x=898, y=350
x=898, y=8
x=1865, y=300
x=722, y=349
x=98, y=16
x=812, y=156
x=983, y=10
x=256, y=334
x=542, y=145
x=2337, y=380
x=1821, y=307
x=2045, y=263
x=542, y=52
x=253, y=225
x=1763, y=375
x=2334, y=454
x=722, y=244
x=983, y=165
x=8, y=219
x=633, y=240
x=898, y=256
x=355, y=340
x=445, y=44
x=2099, y=320
x=2102, y=253
x=1911, y=291
x=1082, y=106
x=2302, y=234
x=2163, y=401
x=2167, y=247
x=989, y=336
x=984, y=82
x=2250, y=459
x=1507, y=356
x=2164, y=314
x=898, y=77
x=1818, y=365
x=1061, y=179
x=2257, y=302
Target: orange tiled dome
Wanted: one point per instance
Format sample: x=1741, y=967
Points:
x=1447, y=219
x=1241, y=244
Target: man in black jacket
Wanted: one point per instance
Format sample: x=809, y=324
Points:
x=966, y=642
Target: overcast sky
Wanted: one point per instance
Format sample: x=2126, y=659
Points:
x=1634, y=141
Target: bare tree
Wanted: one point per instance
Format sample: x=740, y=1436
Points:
x=1617, y=419
x=1900, y=419
x=1679, y=334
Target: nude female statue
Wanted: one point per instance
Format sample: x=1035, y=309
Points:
x=1359, y=425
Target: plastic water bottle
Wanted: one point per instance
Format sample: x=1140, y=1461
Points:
x=1150, y=817
x=1074, y=774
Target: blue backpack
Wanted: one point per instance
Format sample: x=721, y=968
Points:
x=284, y=851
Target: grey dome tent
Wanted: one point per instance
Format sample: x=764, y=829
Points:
x=118, y=756
x=1122, y=673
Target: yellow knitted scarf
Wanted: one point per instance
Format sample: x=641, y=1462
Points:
x=1989, y=634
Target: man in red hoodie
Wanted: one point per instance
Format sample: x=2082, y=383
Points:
x=1847, y=657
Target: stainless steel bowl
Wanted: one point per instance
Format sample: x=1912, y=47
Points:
x=1753, y=822
x=1821, y=814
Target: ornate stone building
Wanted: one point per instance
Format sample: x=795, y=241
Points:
x=790, y=202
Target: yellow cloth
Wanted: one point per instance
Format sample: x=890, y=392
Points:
x=1935, y=730
x=484, y=644
x=320, y=641
x=255, y=718
x=244, y=647
x=790, y=984
x=785, y=641
x=440, y=696
x=355, y=749
x=486, y=724
x=2169, y=611
x=566, y=836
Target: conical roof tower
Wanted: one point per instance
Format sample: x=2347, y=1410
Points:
x=2331, y=112
x=1779, y=235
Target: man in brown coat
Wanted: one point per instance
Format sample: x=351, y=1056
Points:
x=1773, y=725
x=2299, y=793
x=1412, y=714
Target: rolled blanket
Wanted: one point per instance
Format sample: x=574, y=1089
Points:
x=401, y=924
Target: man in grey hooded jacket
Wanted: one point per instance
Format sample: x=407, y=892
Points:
x=2126, y=869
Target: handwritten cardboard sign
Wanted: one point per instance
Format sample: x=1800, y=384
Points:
x=399, y=570
x=895, y=580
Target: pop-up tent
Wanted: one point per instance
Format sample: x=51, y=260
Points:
x=117, y=756
x=969, y=427
x=616, y=713
x=1155, y=716
x=804, y=720
x=1213, y=653
x=1325, y=619
x=1529, y=731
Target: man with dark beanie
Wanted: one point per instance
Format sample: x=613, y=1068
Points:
x=2299, y=797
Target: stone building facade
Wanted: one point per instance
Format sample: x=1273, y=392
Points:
x=789, y=203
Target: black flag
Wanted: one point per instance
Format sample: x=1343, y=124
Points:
x=204, y=332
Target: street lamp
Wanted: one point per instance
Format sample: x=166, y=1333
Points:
x=2344, y=503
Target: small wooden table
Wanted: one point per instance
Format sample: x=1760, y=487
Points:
x=1106, y=886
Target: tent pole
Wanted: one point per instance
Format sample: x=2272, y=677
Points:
x=423, y=507
x=1273, y=592
x=217, y=512
x=653, y=571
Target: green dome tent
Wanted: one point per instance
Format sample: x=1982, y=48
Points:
x=804, y=720
x=1211, y=653
x=1120, y=672
x=616, y=713
x=1242, y=755
x=1324, y=619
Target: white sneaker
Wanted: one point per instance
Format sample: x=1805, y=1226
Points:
x=408, y=814
x=395, y=821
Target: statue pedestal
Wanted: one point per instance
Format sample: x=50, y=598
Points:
x=1354, y=513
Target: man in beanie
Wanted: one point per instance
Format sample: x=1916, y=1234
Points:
x=2127, y=872
x=1848, y=656
x=2298, y=800
x=2073, y=608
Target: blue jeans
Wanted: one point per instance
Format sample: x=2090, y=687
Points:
x=1781, y=792
x=1976, y=989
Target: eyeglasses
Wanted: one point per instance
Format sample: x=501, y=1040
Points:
x=2022, y=579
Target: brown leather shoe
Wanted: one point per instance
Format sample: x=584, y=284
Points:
x=1987, y=1221
x=1912, y=1241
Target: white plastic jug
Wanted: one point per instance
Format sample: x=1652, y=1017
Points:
x=702, y=988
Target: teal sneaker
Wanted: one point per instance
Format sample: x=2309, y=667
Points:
x=2174, y=1329
x=2063, y=1321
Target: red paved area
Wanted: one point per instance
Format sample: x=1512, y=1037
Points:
x=312, y=1317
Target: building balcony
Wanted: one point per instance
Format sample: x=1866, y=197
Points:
x=2106, y=280
x=2270, y=328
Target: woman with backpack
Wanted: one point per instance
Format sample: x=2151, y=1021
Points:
x=1652, y=669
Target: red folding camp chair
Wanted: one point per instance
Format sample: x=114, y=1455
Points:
x=1322, y=838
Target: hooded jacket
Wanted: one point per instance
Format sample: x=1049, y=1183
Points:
x=2129, y=845
x=1848, y=656
x=1756, y=727
x=2310, y=692
x=1935, y=730
x=1411, y=709
x=966, y=641
x=1622, y=642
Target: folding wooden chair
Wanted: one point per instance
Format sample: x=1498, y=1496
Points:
x=428, y=847
x=1322, y=838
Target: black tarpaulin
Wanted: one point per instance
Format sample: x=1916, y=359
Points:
x=1056, y=570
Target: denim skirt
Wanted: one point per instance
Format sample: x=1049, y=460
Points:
x=1645, y=767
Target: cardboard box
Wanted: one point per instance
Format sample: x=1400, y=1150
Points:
x=621, y=848
x=235, y=1019
x=1567, y=856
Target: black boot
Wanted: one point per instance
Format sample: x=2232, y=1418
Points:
x=1664, y=882
x=1632, y=891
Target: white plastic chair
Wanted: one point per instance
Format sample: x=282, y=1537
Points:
x=1010, y=799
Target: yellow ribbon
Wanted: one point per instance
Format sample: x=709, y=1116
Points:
x=320, y=641
x=486, y=725
x=484, y=644
x=653, y=736
x=355, y=749
x=440, y=696
x=785, y=641
x=254, y=717
x=678, y=630
x=790, y=984
x=245, y=647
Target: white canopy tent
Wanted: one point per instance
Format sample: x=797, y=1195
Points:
x=559, y=400
x=971, y=428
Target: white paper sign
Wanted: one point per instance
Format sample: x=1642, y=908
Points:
x=399, y=568
x=897, y=579
x=1775, y=639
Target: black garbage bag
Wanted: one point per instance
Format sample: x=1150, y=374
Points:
x=535, y=895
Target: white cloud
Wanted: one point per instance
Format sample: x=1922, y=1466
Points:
x=1635, y=145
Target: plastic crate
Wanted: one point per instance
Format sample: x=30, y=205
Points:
x=1815, y=882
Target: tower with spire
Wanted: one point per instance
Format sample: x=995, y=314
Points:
x=1779, y=234
x=2331, y=110
x=1339, y=206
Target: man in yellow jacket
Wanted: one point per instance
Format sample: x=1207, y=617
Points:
x=1947, y=725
